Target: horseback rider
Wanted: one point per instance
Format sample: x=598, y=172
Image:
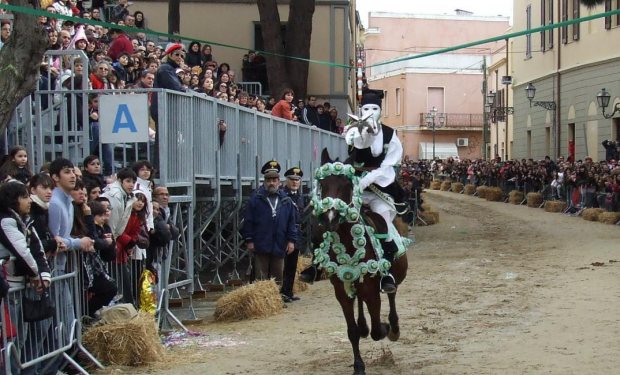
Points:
x=376, y=149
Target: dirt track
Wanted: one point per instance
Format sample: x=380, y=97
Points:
x=492, y=289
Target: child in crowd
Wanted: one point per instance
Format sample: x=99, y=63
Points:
x=101, y=288
x=40, y=187
x=15, y=165
x=132, y=235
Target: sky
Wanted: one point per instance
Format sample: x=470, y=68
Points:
x=478, y=7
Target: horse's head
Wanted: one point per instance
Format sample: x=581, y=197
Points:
x=336, y=197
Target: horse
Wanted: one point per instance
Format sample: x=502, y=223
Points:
x=348, y=254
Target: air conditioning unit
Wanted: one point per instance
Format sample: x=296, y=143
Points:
x=462, y=142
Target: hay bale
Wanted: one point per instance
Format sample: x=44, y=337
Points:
x=609, y=217
x=258, y=300
x=534, y=199
x=494, y=194
x=482, y=191
x=591, y=214
x=425, y=207
x=131, y=343
x=435, y=185
x=515, y=197
x=470, y=189
x=457, y=187
x=430, y=217
x=302, y=264
x=445, y=186
x=555, y=206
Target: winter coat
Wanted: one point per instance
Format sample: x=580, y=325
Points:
x=128, y=239
x=22, y=245
x=282, y=109
x=121, y=206
x=270, y=235
x=40, y=222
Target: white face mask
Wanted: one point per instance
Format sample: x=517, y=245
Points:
x=372, y=109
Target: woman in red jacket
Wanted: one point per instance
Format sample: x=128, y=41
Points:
x=125, y=244
x=284, y=108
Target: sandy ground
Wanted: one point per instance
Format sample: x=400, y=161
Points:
x=492, y=289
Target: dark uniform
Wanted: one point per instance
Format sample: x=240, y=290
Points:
x=269, y=225
x=290, y=261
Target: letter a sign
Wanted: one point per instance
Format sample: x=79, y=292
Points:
x=124, y=118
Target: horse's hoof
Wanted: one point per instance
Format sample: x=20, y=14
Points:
x=364, y=332
x=393, y=336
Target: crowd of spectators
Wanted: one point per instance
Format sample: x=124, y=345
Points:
x=582, y=183
x=119, y=228
x=130, y=60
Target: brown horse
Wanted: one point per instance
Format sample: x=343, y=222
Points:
x=335, y=202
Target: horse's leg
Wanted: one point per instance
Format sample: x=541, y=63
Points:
x=346, y=304
x=394, y=332
x=362, y=326
x=378, y=330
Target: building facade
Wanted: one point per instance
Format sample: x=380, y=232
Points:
x=450, y=82
x=568, y=66
x=237, y=23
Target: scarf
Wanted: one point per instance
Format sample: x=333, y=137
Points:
x=39, y=201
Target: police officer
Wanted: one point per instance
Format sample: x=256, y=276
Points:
x=292, y=188
x=269, y=227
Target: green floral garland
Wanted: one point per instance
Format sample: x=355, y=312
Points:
x=349, y=269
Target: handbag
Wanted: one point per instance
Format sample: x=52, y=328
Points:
x=35, y=310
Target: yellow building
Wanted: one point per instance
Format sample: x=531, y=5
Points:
x=236, y=23
x=568, y=67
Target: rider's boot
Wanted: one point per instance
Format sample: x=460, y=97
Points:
x=388, y=284
x=309, y=274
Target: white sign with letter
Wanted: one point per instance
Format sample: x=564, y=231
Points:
x=124, y=118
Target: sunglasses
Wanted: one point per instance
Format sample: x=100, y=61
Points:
x=178, y=54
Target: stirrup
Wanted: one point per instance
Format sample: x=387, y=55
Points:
x=388, y=284
x=308, y=275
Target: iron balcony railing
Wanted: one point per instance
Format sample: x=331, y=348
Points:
x=456, y=120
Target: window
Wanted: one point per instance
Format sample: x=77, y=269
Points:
x=546, y=18
x=529, y=143
x=612, y=21
x=398, y=101
x=528, y=37
x=386, y=104
x=570, y=10
x=576, y=6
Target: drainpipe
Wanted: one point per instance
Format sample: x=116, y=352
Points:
x=506, y=106
x=557, y=92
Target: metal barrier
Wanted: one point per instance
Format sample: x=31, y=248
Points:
x=209, y=177
x=252, y=88
x=45, y=344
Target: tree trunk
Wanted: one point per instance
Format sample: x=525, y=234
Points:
x=272, y=40
x=174, y=16
x=20, y=59
x=298, y=37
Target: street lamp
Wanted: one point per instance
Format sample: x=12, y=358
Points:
x=496, y=113
x=602, y=99
x=430, y=121
x=530, y=92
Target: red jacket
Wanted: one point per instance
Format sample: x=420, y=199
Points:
x=119, y=45
x=127, y=240
x=283, y=110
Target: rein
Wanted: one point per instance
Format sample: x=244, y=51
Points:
x=348, y=268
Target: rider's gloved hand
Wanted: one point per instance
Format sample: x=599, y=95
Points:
x=364, y=183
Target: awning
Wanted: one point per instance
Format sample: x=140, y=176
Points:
x=442, y=150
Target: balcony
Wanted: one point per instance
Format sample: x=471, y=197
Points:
x=471, y=121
